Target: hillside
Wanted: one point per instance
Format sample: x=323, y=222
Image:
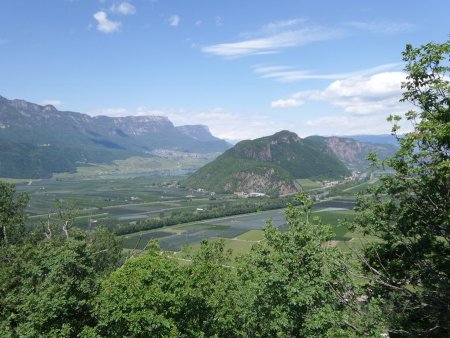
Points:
x=377, y=139
x=353, y=153
x=269, y=165
x=36, y=140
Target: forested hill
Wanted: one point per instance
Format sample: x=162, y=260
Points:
x=37, y=140
x=269, y=165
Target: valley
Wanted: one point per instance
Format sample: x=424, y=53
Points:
x=224, y=169
x=146, y=179
x=118, y=197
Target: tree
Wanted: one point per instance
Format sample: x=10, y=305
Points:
x=12, y=217
x=300, y=285
x=139, y=299
x=50, y=277
x=409, y=210
x=292, y=284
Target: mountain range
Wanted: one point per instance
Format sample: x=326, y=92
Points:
x=36, y=140
x=272, y=164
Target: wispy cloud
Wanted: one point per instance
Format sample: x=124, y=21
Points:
x=3, y=41
x=350, y=125
x=104, y=24
x=124, y=8
x=287, y=74
x=287, y=103
x=383, y=27
x=113, y=112
x=272, y=38
x=230, y=125
x=55, y=103
x=198, y=23
x=281, y=25
x=174, y=20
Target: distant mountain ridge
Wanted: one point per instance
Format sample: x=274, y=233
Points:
x=272, y=164
x=37, y=140
x=351, y=152
x=376, y=139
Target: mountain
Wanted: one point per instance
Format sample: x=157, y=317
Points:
x=37, y=140
x=376, y=139
x=269, y=165
x=351, y=152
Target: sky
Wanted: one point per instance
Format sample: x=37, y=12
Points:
x=244, y=68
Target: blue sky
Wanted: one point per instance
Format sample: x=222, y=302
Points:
x=245, y=68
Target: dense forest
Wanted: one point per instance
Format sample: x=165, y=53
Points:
x=59, y=281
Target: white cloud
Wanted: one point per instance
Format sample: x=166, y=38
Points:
x=55, y=103
x=287, y=74
x=104, y=24
x=383, y=27
x=361, y=95
x=113, y=112
x=287, y=103
x=272, y=38
x=281, y=25
x=351, y=125
x=174, y=20
x=124, y=8
x=198, y=23
x=230, y=125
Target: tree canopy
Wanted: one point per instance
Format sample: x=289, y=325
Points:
x=409, y=211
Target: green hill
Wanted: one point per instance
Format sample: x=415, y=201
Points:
x=269, y=165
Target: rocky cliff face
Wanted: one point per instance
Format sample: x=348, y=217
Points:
x=267, y=182
x=199, y=132
x=266, y=148
x=354, y=152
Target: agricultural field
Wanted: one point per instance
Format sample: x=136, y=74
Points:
x=174, y=163
x=239, y=232
x=109, y=201
x=309, y=185
x=127, y=199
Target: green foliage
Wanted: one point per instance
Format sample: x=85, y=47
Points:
x=12, y=216
x=49, y=277
x=292, y=284
x=139, y=298
x=409, y=210
x=303, y=287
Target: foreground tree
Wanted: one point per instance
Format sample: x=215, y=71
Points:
x=293, y=284
x=12, y=217
x=409, y=211
x=49, y=277
x=300, y=285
